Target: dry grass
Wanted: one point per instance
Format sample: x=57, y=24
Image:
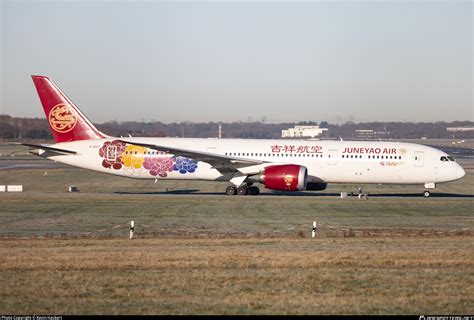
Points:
x=238, y=276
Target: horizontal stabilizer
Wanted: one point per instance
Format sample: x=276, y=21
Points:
x=47, y=148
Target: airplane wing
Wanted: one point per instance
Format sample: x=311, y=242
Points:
x=224, y=164
x=47, y=148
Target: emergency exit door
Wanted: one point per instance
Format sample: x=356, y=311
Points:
x=419, y=158
x=332, y=157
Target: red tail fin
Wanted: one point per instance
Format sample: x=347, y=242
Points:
x=66, y=121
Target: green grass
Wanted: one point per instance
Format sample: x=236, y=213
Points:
x=105, y=201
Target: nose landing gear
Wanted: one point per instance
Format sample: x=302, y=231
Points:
x=428, y=185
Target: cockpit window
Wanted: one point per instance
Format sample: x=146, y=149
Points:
x=450, y=158
x=444, y=159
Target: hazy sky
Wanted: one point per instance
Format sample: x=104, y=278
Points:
x=228, y=61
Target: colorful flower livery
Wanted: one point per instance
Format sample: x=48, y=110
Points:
x=117, y=155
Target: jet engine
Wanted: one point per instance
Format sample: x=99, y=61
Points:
x=285, y=177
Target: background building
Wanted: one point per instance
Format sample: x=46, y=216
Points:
x=370, y=134
x=303, y=132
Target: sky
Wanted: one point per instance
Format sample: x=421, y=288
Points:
x=238, y=61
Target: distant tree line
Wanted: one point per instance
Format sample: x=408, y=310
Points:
x=13, y=128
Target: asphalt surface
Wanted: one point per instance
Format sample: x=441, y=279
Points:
x=30, y=164
x=457, y=152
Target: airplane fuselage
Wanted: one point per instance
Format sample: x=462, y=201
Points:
x=326, y=161
x=285, y=165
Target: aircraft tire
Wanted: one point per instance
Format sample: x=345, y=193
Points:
x=242, y=190
x=426, y=194
x=254, y=191
x=230, y=190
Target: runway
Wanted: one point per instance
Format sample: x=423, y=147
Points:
x=457, y=152
x=30, y=164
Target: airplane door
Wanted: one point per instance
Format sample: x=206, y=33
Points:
x=332, y=157
x=419, y=158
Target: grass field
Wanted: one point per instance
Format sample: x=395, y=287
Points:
x=421, y=275
x=198, y=251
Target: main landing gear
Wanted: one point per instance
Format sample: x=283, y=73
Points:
x=426, y=194
x=242, y=190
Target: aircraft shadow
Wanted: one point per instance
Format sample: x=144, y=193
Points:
x=184, y=191
x=415, y=195
x=197, y=192
x=373, y=195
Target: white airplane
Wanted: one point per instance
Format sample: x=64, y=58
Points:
x=286, y=165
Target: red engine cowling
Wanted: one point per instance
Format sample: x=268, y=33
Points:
x=285, y=177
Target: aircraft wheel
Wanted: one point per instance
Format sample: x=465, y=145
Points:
x=230, y=190
x=254, y=191
x=242, y=190
x=426, y=194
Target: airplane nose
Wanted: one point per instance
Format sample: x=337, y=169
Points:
x=460, y=172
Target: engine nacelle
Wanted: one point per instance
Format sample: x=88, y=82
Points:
x=285, y=177
x=316, y=186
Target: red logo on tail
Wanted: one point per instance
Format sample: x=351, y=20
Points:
x=62, y=118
